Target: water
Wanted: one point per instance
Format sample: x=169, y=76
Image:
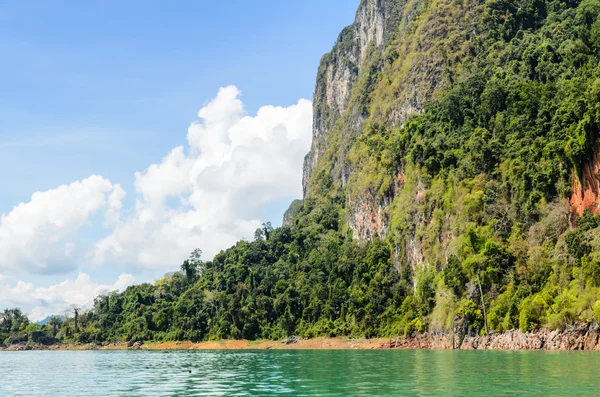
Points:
x=298, y=373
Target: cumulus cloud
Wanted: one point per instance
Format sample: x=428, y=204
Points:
x=40, y=236
x=42, y=302
x=209, y=194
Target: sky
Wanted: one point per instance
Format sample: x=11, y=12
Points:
x=132, y=132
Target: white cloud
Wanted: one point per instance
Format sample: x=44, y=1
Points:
x=38, y=236
x=42, y=302
x=115, y=203
x=209, y=194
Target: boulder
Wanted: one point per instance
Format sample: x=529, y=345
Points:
x=290, y=340
x=135, y=345
x=92, y=346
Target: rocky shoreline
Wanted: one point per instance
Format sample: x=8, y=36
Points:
x=66, y=346
x=582, y=337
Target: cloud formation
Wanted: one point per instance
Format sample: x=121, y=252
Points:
x=42, y=302
x=209, y=194
x=40, y=236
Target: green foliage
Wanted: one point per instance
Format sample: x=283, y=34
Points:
x=577, y=244
x=454, y=277
x=531, y=312
x=13, y=325
x=588, y=221
x=472, y=313
x=308, y=280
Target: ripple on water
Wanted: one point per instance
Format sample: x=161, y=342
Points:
x=297, y=373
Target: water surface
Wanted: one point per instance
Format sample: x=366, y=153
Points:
x=298, y=373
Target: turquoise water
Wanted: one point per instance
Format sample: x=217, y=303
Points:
x=299, y=373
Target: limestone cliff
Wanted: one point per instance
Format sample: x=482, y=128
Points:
x=383, y=68
x=375, y=22
x=290, y=212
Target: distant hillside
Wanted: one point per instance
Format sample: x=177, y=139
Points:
x=44, y=321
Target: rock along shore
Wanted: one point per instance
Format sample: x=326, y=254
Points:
x=583, y=337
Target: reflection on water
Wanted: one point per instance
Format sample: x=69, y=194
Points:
x=298, y=373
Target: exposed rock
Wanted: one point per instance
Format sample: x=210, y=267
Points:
x=290, y=340
x=586, y=192
x=134, y=344
x=582, y=337
x=375, y=21
x=17, y=347
x=368, y=215
x=414, y=47
x=291, y=211
x=93, y=346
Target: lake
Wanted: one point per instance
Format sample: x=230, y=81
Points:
x=299, y=373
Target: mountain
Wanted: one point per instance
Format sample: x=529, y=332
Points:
x=44, y=321
x=465, y=134
x=415, y=91
x=452, y=187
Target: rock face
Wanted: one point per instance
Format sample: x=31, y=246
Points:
x=383, y=68
x=339, y=70
x=583, y=337
x=394, y=58
x=290, y=212
x=586, y=191
x=368, y=216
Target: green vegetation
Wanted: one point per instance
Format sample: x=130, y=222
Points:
x=308, y=280
x=480, y=229
x=481, y=216
x=311, y=280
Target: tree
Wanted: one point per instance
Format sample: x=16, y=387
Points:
x=267, y=229
x=196, y=255
x=193, y=267
x=55, y=322
x=263, y=232
x=75, y=310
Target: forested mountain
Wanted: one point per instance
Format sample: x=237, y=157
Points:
x=454, y=178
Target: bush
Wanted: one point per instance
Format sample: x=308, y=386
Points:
x=532, y=311
x=471, y=311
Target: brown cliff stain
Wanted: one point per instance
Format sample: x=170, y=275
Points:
x=586, y=194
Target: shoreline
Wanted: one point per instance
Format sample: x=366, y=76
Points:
x=583, y=337
x=320, y=343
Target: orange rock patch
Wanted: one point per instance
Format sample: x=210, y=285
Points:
x=586, y=194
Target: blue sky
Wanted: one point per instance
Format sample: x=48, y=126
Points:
x=109, y=88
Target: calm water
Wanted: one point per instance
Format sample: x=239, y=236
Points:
x=299, y=373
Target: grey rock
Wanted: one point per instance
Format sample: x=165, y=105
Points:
x=290, y=340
